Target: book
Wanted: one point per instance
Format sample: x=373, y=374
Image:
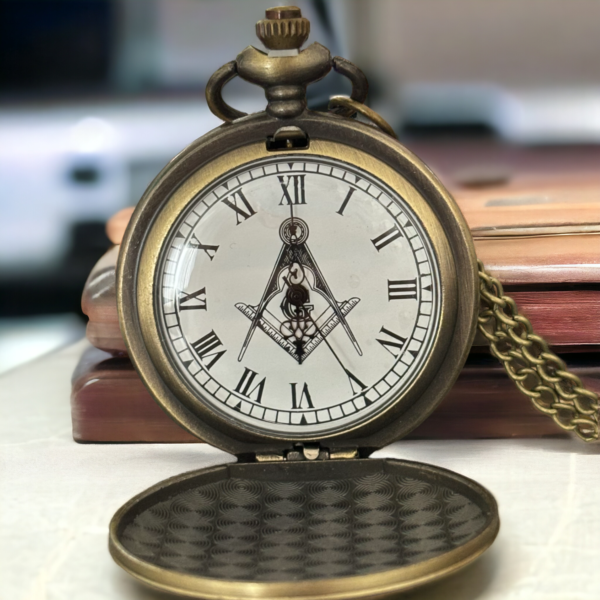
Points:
x=109, y=403
x=555, y=282
x=535, y=218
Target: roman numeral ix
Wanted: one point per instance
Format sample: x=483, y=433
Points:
x=243, y=212
x=245, y=388
x=399, y=289
x=386, y=238
x=293, y=189
x=206, y=347
x=192, y=301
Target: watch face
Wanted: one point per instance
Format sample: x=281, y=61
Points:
x=298, y=296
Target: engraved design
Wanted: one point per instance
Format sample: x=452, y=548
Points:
x=299, y=333
x=243, y=529
x=277, y=330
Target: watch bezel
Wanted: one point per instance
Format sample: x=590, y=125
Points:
x=230, y=146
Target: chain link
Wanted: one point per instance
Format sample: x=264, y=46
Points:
x=530, y=363
x=536, y=370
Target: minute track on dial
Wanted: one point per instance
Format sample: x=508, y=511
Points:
x=376, y=287
x=295, y=252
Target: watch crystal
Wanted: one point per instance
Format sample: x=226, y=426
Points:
x=299, y=295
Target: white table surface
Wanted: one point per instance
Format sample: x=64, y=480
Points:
x=57, y=498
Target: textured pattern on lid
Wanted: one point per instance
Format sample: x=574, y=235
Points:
x=244, y=529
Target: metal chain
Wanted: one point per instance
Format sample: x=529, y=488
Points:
x=536, y=370
x=530, y=363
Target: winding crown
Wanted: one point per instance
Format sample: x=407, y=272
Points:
x=283, y=29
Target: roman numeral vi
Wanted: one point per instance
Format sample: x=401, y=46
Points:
x=304, y=398
x=244, y=385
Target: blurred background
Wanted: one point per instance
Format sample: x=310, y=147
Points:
x=97, y=95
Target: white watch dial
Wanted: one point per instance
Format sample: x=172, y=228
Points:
x=299, y=296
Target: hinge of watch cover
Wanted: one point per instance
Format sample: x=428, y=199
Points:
x=308, y=451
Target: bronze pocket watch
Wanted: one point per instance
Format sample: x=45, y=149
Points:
x=299, y=290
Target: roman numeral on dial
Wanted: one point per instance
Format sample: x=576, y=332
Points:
x=243, y=211
x=305, y=401
x=207, y=347
x=245, y=388
x=386, y=238
x=293, y=189
x=192, y=301
x=394, y=344
x=355, y=383
x=345, y=202
x=399, y=289
x=196, y=244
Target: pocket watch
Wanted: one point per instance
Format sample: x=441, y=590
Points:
x=298, y=289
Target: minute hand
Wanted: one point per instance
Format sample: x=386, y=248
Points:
x=322, y=287
x=349, y=374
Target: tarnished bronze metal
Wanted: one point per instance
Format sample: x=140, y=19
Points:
x=285, y=71
x=305, y=530
x=284, y=78
x=360, y=85
x=226, y=148
x=288, y=138
x=284, y=12
x=534, y=368
x=299, y=518
x=343, y=102
x=283, y=29
x=214, y=96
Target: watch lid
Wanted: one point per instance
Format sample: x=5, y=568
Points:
x=352, y=529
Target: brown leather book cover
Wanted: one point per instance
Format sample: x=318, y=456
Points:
x=568, y=316
x=535, y=218
x=109, y=403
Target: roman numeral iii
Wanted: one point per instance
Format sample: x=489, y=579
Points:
x=399, y=289
x=192, y=301
x=242, y=211
x=293, y=189
x=386, y=238
x=207, y=347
